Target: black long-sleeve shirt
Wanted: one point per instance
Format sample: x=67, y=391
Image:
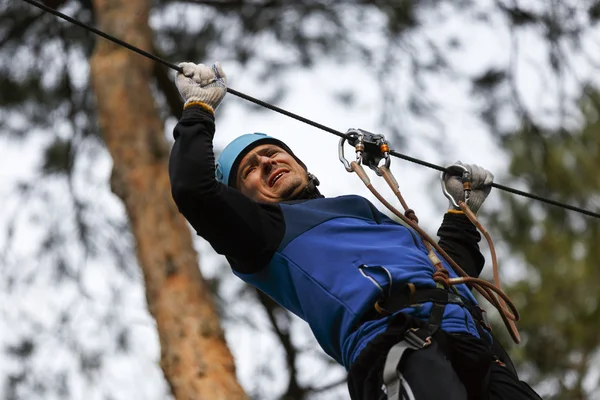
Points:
x=247, y=232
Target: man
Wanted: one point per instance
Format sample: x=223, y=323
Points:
x=332, y=260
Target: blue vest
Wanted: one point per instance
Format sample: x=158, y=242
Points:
x=315, y=272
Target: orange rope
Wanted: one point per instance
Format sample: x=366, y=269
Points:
x=473, y=218
x=490, y=291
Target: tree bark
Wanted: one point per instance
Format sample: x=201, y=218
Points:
x=194, y=356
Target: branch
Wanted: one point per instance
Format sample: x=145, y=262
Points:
x=19, y=28
x=236, y=4
x=581, y=368
x=229, y=5
x=54, y=3
x=23, y=190
x=329, y=386
x=294, y=391
x=167, y=87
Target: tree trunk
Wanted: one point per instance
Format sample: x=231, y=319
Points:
x=194, y=357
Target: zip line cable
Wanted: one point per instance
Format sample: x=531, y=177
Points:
x=295, y=116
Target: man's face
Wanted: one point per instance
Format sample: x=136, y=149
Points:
x=268, y=174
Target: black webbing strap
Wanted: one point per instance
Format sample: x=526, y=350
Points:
x=435, y=318
x=409, y=295
x=393, y=380
x=395, y=385
x=414, y=339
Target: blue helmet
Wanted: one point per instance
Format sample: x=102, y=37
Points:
x=232, y=154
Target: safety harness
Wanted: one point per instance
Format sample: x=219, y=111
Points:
x=373, y=150
x=395, y=386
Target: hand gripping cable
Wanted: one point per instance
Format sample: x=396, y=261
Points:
x=373, y=151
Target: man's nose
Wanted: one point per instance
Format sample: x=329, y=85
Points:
x=267, y=162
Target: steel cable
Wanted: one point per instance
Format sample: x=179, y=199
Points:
x=298, y=117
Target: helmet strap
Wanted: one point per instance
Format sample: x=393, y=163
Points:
x=310, y=191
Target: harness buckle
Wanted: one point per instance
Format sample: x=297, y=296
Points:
x=415, y=340
x=480, y=315
x=484, y=319
x=455, y=299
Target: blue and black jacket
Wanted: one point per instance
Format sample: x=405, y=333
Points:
x=327, y=259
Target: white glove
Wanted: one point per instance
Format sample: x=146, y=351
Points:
x=481, y=185
x=202, y=84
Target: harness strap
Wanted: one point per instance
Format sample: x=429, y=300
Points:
x=410, y=295
x=392, y=377
x=396, y=387
x=435, y=318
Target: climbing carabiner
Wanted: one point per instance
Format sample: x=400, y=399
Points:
x=341, y=155
x=386, y=160
x=465, y=177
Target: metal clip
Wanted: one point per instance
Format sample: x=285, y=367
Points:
x=341, y=155
x=359, y=146
x=465, y=176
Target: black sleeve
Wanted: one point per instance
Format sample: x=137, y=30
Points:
x=460, y=238
x=246, y=232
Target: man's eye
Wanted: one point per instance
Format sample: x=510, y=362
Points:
x=248, y=171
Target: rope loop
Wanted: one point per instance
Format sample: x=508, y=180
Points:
x=442, y=276
x=410, y=214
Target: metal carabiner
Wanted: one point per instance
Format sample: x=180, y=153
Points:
x=386, y=162
x=354, y=134
x=465, y=176
x=341, y=155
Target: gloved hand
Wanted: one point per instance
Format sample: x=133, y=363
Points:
x=202, y=84
x=481, y=185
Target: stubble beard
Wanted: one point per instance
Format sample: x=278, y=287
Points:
x=291, y=189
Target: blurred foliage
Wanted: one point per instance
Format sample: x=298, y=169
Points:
x=64, y=211
x=559, y=300
x=58, y=157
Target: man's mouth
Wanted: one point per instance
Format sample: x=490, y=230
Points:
x=275, y=177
